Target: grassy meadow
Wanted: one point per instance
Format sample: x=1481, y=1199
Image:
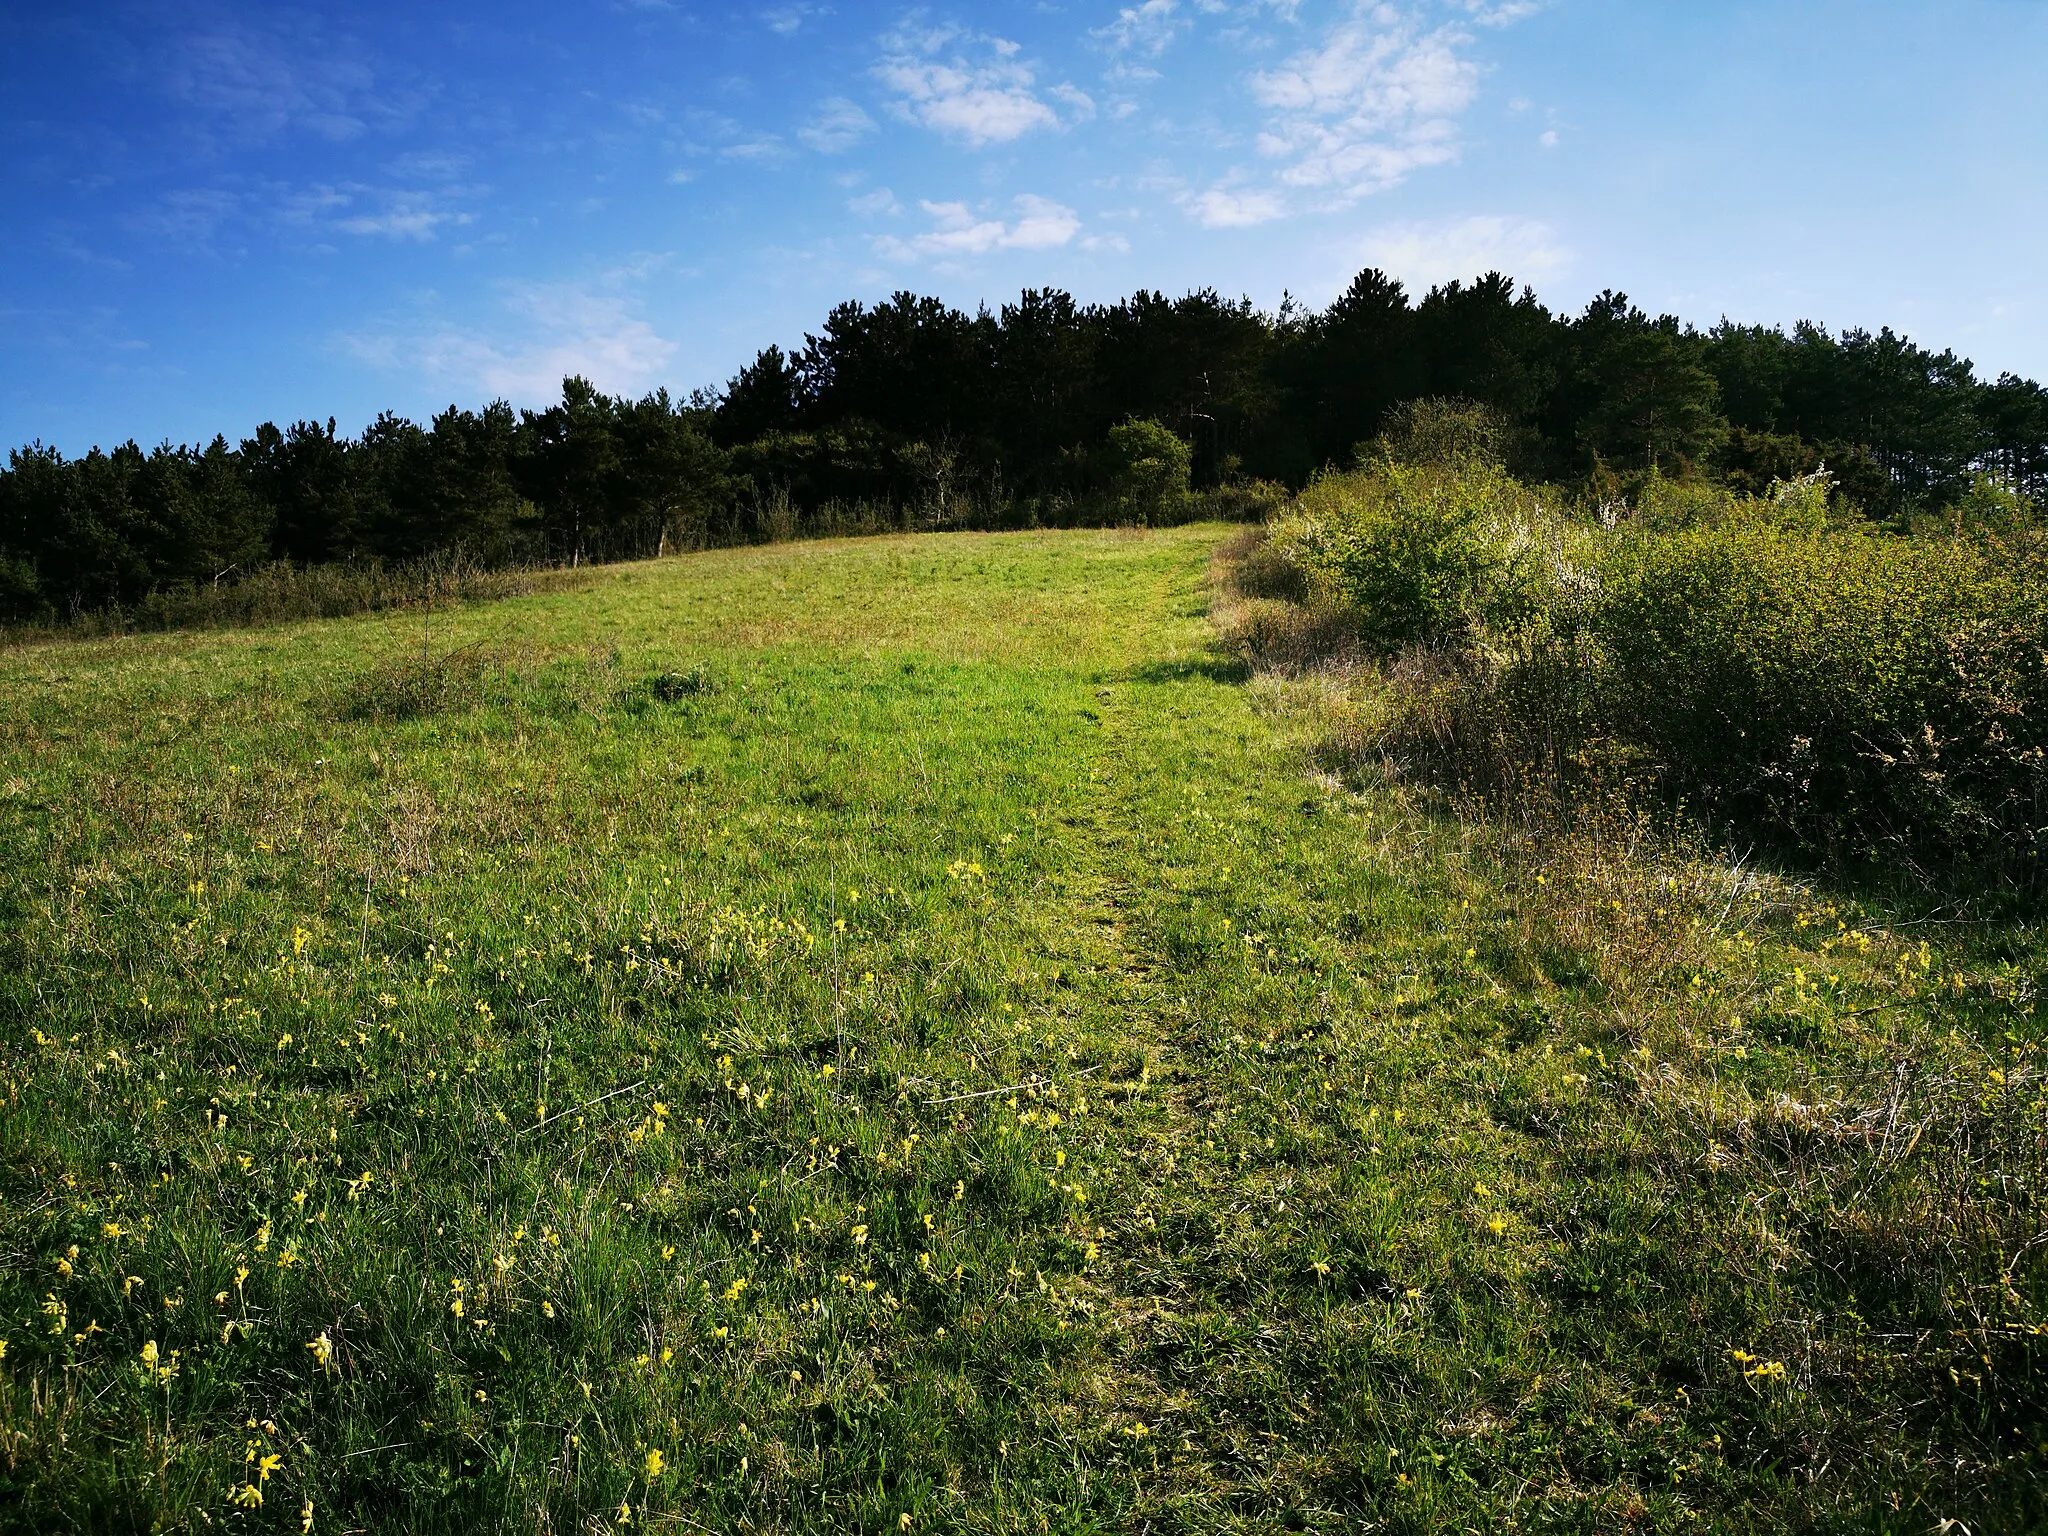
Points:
x=909, y=1035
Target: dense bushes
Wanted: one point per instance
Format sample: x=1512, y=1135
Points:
x=1844, y=686
x=1842, y=689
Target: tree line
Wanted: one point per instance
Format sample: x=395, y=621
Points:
x=913, y=410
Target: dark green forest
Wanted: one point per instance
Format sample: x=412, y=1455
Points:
x=913, y=413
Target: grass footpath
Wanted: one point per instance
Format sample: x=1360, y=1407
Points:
x=897, y=1035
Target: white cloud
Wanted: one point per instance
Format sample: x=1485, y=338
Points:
x=1377, y=99
x=839, y=125
x=1489, y=14
x=1377, y=96
x=1040, y=224
x=1146, y=28
x=1228, y=208
x=766, y=147
x=1073, y=96
x=554, y=330
x=785, y=20
x=1424, y=255
x=969, y=86
x=879, y=202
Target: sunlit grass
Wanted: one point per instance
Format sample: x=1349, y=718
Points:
x=896, y=1035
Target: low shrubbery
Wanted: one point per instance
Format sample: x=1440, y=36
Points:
x=1842, y=689
x=1851, y=689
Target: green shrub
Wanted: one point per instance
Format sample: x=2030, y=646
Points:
x=1440, y=431
x=1148, y=472
x=1804, y=502
x=1418, y=552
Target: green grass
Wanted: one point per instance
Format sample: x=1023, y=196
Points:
x=906, y=1033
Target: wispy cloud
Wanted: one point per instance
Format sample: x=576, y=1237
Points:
x=839, y=125
x=264, y=75
x=1423, y=255
x=192, y=217
x=1040, y=224
x=875, y=204
x=391, y=213
x=1498, y=13
x=430, y=165
x=1145, y=28
x=210, y=218
x=551, y=330
x=403, y=216
x=1377, y=96
x=969, y=86
x=788, y=20
x=762, y=147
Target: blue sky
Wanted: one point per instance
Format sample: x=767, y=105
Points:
x=218, y=214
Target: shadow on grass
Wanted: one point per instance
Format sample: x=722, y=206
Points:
x=1212, y=669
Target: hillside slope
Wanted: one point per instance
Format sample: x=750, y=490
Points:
x=890, y=1035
